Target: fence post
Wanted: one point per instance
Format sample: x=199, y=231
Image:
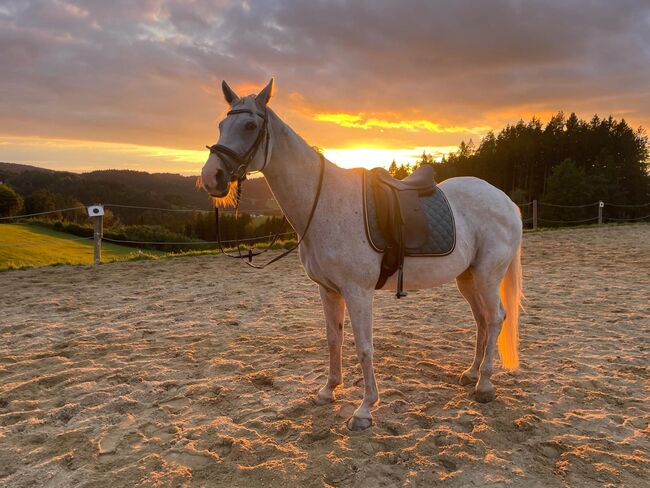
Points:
x=534, y=214
x=96, y=214
x=601, y=204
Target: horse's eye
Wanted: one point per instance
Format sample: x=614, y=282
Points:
x=250, y=126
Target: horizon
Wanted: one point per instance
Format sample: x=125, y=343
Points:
x=87, y=87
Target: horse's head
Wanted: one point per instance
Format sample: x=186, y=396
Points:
x=243, y=143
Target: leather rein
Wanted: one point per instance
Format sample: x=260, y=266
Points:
x=237, y=172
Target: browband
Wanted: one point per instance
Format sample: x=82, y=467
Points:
x=246, y=111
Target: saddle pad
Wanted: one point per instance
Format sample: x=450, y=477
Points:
x=441, y=239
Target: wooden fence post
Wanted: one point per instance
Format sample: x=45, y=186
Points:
x=601, y=204
x=96, y=214
x=534, y=214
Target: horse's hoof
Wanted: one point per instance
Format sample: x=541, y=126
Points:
x=466, y=379
x=485, y=396
x=356, y=423
x=323, y=400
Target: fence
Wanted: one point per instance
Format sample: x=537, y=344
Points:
x=533, y=208
x=96, y=215
x=530, y=213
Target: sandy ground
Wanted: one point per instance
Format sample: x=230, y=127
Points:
x=199, y=371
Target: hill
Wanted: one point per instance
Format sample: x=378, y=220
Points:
x=125, y=187
x=23, y=246
x=18, y=168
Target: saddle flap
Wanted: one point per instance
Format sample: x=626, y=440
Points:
x=385, y=211
x=415, y=230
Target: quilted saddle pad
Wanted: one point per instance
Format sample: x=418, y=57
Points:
x=441, y=238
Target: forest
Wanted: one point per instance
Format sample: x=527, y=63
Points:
x=566, y=162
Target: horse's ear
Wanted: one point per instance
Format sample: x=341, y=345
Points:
x=230, y=96
x=265, y=95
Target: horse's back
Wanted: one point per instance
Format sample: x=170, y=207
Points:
x=484, y=214
x=476, y=198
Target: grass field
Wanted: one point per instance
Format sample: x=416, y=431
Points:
x=24, y=246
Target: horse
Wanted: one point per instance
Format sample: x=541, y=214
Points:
x=323, y=203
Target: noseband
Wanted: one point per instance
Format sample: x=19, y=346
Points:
x=236, y=164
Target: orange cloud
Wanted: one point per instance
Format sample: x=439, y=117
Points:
x=359, y=121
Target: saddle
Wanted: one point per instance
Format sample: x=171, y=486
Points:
x=408, y=217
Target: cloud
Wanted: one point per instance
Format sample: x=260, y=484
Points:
x=148, y=72
x=366, y=123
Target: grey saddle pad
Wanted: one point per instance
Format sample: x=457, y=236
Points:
x=441, y=239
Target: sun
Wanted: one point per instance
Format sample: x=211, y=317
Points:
x=373, y=157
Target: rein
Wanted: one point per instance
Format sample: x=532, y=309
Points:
x=238, y=173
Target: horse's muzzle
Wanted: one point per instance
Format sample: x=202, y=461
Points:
x=218, y=185
x=220, y=192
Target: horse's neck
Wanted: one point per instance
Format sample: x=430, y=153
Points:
x=292, y=173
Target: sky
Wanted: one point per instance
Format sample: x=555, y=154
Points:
x=96, y=84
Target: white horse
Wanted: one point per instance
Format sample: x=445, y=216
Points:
x=336, y=254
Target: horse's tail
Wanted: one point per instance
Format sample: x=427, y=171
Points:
x=511, y=295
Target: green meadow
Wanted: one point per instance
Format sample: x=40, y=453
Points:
x=24, y=246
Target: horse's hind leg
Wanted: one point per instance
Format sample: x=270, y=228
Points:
x=334, y=308
x=467, y=287
x=493, y=313
x=486, y=304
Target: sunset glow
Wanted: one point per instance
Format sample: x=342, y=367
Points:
x=362, y=122
x=372, y=157
x=82, y=156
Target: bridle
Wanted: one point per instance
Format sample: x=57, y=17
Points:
x=237, y=172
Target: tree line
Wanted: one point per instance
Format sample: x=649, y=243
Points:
x=568, y=161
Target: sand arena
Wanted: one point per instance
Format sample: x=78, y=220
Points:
x=199, y=371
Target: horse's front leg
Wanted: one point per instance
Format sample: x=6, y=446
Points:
x=359, y=302
x=334, y=308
